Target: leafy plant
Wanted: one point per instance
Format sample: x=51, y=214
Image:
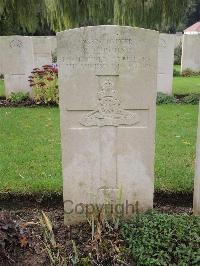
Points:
x=44, y=83
x=192, y=98
x=177, y=54
x=18, y=97
x=162, y=239
x=163, y=98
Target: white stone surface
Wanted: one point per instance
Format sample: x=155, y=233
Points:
x=42, y=51
x=107, y=81
x=191, y=52
x=178, y=37
x=196, y=198
x=1, y=56
x=53, y=43
x=17, y=62
x=165, y=63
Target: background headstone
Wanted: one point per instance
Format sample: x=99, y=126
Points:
x=191, y=52
x=178, y=37
x=196, y=199
x=165, y=63
x=18, y=62
x=107, y=82
x=41, y=51
x=2, y=61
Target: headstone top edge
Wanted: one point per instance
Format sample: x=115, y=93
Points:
x=106, y=26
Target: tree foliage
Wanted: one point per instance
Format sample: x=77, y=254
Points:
x=57, y=15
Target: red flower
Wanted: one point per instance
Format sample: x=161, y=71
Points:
x=45, y=66
x=49, y=78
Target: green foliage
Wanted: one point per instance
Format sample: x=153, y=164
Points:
x=192, y=98
x=18, y=97
x=36, y=15
x=163, y=98
x=177, y=54
x=162, y=239
x=44, y=83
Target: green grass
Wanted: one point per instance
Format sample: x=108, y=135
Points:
x=175, y=147
x=30, y=152
x=177, y=68
x=186, y=85
x=2, y=89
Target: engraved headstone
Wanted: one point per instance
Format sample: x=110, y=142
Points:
x=165, y=63
x=107, y=81
x=196, y=198
x=190, y=52
x=18, y=63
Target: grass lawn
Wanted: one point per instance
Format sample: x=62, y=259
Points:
x=2, y=90
x=175, y=147
x=30, y=152
x=185, y=85
x=177, y=68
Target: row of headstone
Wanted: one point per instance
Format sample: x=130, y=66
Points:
x=26, y=53
x=19, y=55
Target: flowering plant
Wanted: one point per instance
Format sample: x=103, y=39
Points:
x=44, y=83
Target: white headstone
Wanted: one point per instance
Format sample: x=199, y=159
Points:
x=107, y=82
x=41, y=51
x=178, y=37
x=196, y=199
x=191, y=52
x=165, y=63
x=18, y=62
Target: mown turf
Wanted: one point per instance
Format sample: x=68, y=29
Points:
x=30, y=150
x=186, y=85
x=30, y=160
x=2, y=89
x=175, y=147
